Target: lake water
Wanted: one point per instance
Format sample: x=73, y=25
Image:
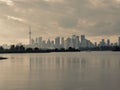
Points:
x=61, y=71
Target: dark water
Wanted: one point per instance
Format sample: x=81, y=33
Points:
x=61, y=71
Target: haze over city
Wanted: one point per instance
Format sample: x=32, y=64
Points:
x=96, y=19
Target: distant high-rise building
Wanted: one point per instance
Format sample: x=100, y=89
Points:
x=83, y=41
x=112, y=44
x=95, y=44
x=44, y=44
x=82, y=38
x=102, y=43
x=32, y=41
x=62, y=42
x=40, y=42
x=37, y=41
x=73, y=41
x=48, y=44
x=77, y=42
x=5, y=46
x=108, y=42
x=89, y=44
x=57, y=42
x=68, y=43
x=52, y=45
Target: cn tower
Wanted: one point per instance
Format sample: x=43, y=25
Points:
x=30, y=33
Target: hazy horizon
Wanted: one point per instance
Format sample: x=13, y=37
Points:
x=96, y=19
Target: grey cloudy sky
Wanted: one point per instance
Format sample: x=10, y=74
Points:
x=50, y=18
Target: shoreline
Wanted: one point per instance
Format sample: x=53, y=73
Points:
x=54, y=52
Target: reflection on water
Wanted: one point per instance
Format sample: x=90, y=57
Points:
x=61, y=71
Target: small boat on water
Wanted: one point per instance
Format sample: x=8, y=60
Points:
x=1, y=58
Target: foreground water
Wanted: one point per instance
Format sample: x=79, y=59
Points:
x=61, y=71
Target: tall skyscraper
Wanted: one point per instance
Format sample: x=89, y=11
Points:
x=73, y=41
x=62, y=42
x=57, y=42
x=77, y=42
x=44, y=44
x=82, y=38
x=83, y=41
x=95, y=44
x=52, y=45
x=48, y=44
x=68, y=43
x=102, y=43
x=108, y=42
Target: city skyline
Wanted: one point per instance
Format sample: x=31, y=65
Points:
x=74, y=41
x=96, y=19
x=30, y=37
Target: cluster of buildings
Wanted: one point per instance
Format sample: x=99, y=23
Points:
x=108, y=43
x=73, y=42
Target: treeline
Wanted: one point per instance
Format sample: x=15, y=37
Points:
x=102, y=48
x=22, y=49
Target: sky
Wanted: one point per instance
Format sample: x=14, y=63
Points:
x=96, y=19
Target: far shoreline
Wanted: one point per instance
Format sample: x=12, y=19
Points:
x=54, y=52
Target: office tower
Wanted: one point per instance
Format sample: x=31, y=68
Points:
x=119, y=41
x=62, y=42
x=108, y=42
x=77, y=42
x=43, y=44
x=82, y=38
x=68, y=43
x=57, y=42
x=52, y=45
x=40, y=42
x=36, y=41
x=32, y=41
x=89, y=44
x=48, y=44
x=73, y=41
x=112, y=44
x=5, y=46
x=102, y=43
x=95, y=44
x=83, y=41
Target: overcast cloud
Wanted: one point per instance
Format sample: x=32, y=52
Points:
x=51, y=18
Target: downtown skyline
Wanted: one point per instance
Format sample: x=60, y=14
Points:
x=61, y=43
x=74, y=41
x=96, y=19
x=30, y=38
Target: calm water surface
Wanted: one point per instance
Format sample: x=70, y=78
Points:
x=61, y=71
